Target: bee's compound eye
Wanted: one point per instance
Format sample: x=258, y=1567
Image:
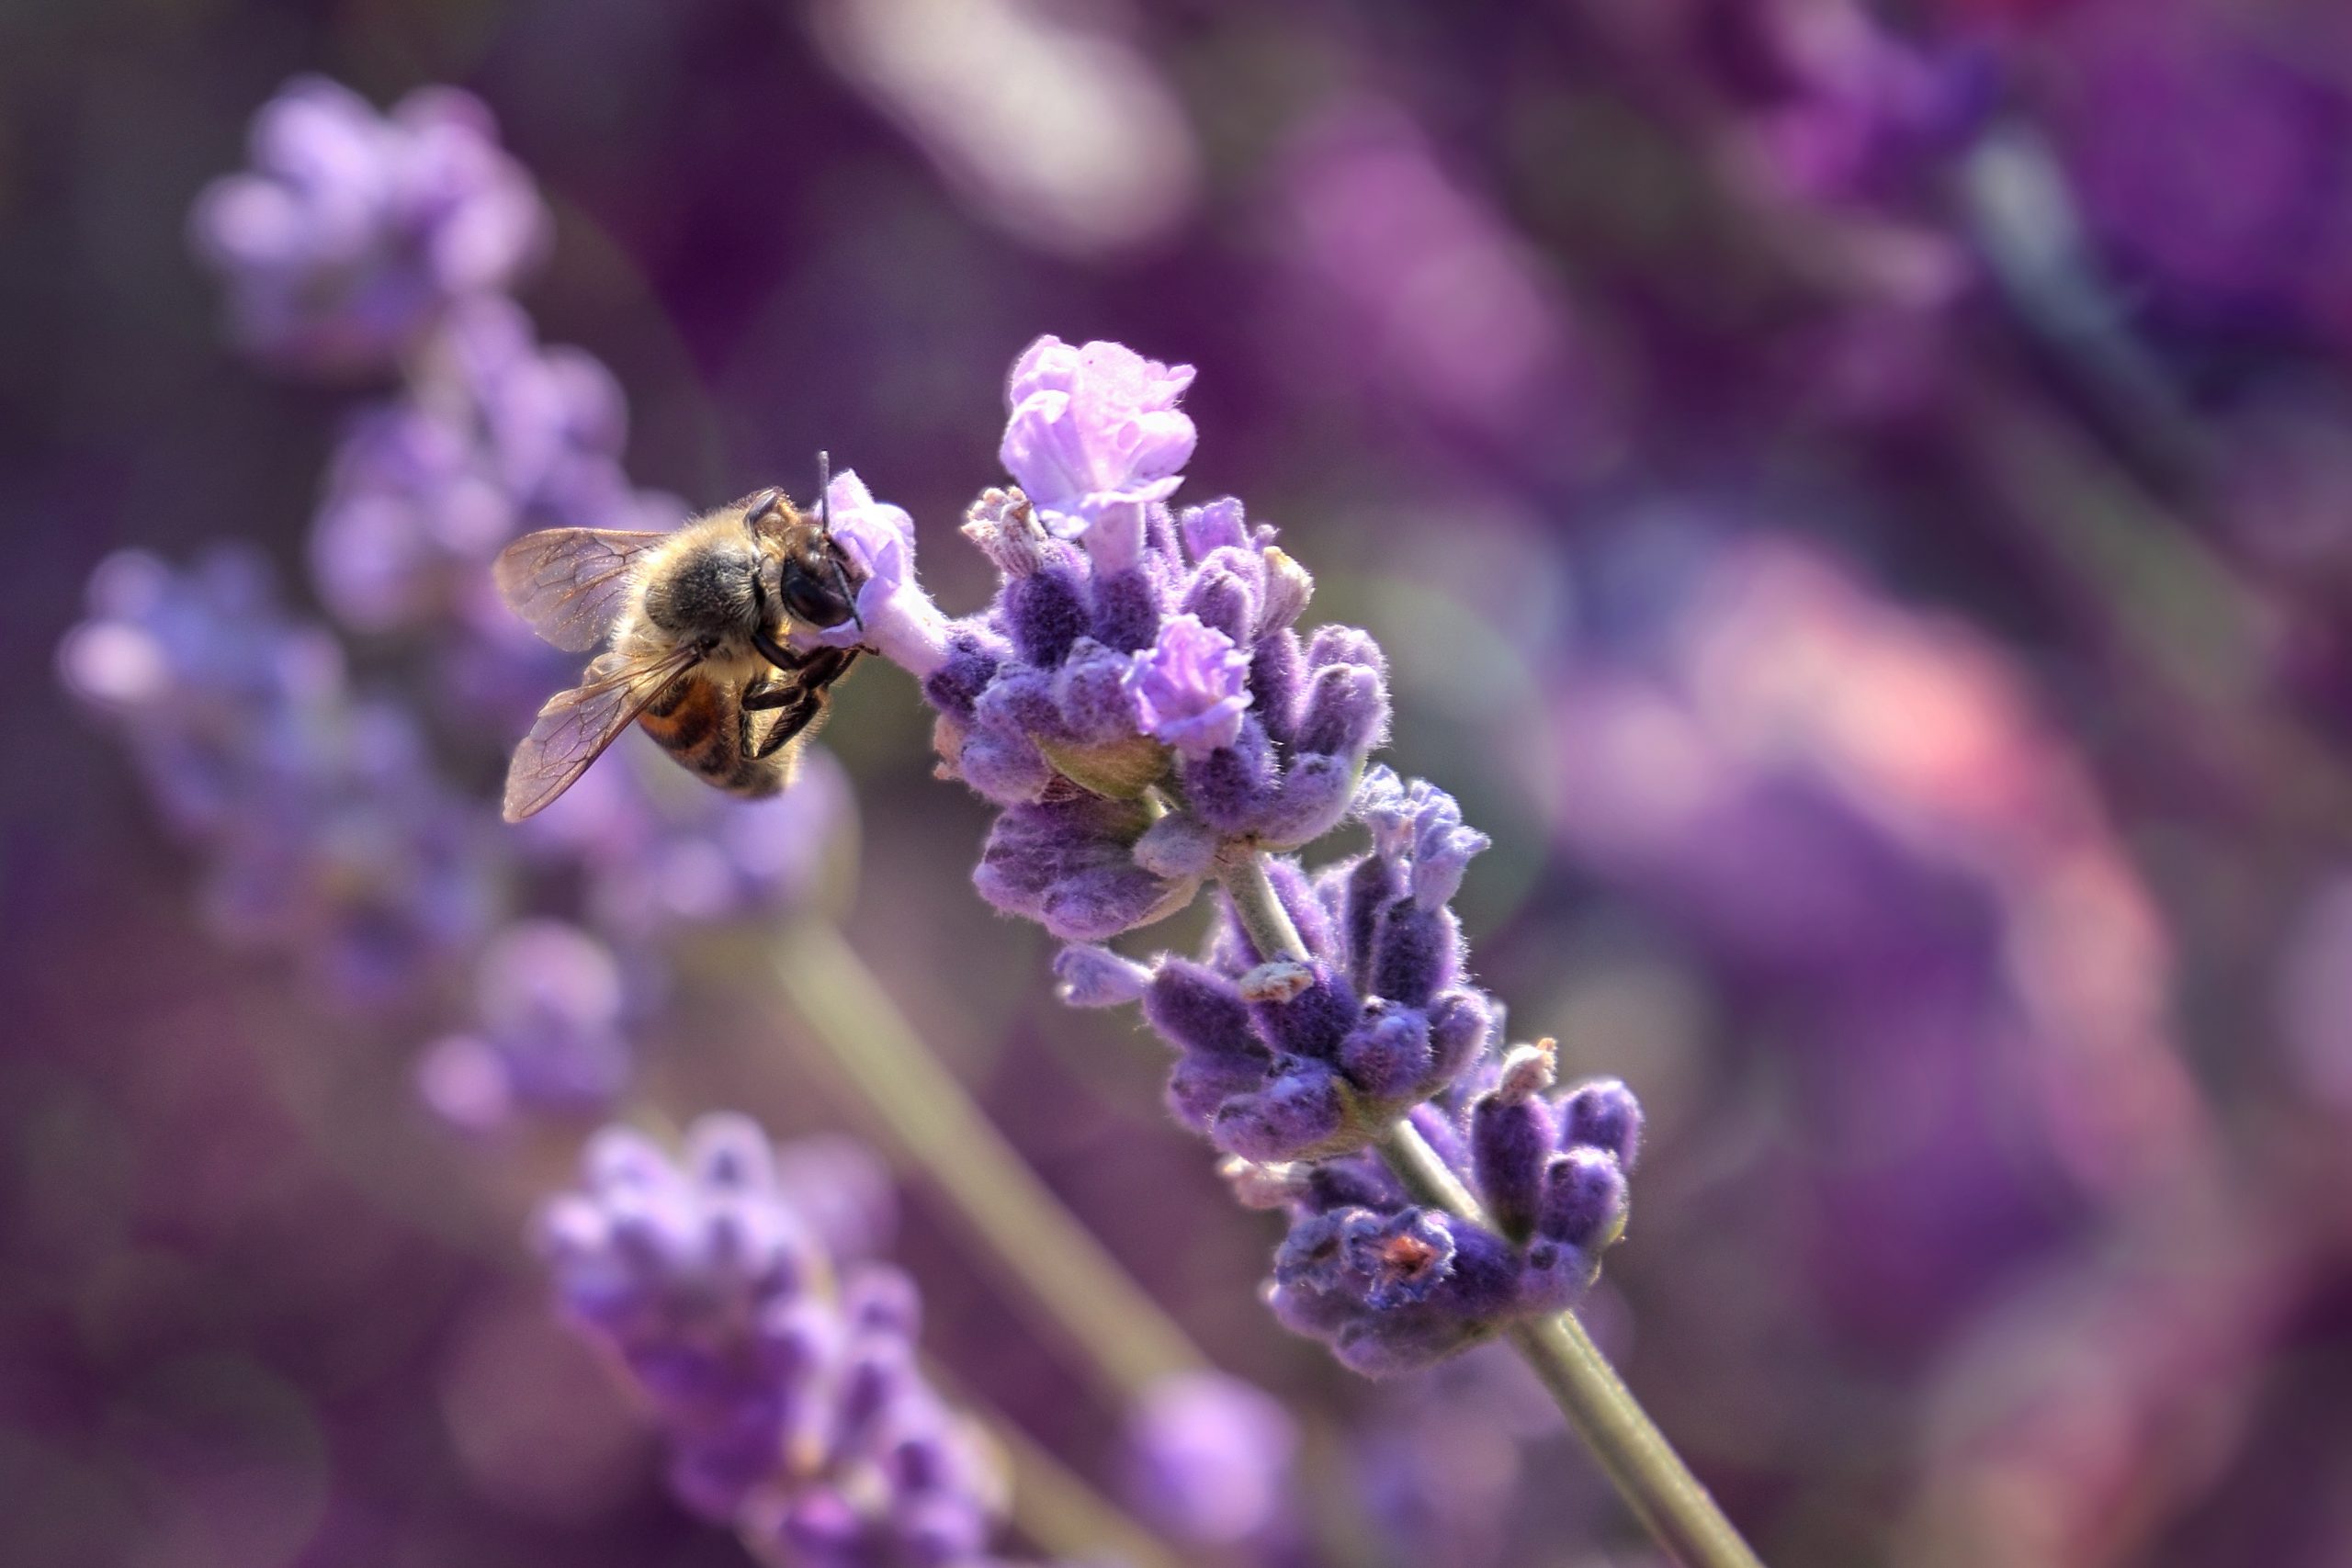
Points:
x=813, y=599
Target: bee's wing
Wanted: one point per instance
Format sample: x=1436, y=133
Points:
x=575, y=727
x=569, y=583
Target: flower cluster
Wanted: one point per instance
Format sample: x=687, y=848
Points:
x=1392, y=1285
x=1138, y=703
x=490, y=434
x=326, y=831
x=1137, y=697
x=782, y=1374
x=354, y=232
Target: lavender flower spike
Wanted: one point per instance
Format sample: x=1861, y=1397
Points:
x=783, y=1380
x=1146, y=717
x=354, y=231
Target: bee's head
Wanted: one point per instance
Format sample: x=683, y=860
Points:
x=801, y=571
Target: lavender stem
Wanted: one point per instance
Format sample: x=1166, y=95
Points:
x=1039, y=1246
x=1651, y=1477
x=1052, y=1505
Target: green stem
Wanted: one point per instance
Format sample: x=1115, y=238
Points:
x=1638, y=1460
x=1042, y=1250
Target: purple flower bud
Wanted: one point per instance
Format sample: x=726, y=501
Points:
x=1004, y=765
x=1584, y=1198
x=1093, y=430
x=1482, y=1285
x=1345, y=713
x=1126, y=610
x=1555, y=1277
x=1224, y=592
x=972, y=660
x=1419, y=952
x=1603, y=1115
x=1461, y=1022
x=1232, y=787
x=1217, y=525
x=1316, y=1021
x=1312, y=799
x=1066, y=864
x=1389, y=1345
x=1192, y=688
x=1046, y=613
x=1512, y=1138
x=1091, y=695
x=1201, y=1010
x=1298, y=1113
x=1388, y=1057
x=1277, y=670
x=1092, y=976
x=1208, y=1459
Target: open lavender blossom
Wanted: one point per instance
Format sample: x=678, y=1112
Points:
x=354, y=232
x=783, y=1378
x=1138, y=704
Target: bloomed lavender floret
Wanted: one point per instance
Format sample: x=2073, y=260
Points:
x=1139, y=706
x=354, y=231
x=783, y=1378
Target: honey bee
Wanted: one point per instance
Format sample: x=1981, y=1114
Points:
x=694, y=624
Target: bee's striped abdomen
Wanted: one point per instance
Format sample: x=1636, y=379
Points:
x=699, y=722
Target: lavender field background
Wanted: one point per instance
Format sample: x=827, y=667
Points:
x=1858, y=505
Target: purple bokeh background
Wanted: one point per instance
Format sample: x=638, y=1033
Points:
x=1859, y=508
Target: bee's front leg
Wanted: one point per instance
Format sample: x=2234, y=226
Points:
x=815, y=670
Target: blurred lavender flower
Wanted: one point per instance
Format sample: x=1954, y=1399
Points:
x=1208, y=1459
x=545, y=1033
x=354, y=231
x=491, y=436
x=1857, y=813
x=2207, y=148
x=658, y=851
x=784, y=1381
x=1137, y=704
x=327, y=834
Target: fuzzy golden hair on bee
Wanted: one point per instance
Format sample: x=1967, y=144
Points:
x=697, y=628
